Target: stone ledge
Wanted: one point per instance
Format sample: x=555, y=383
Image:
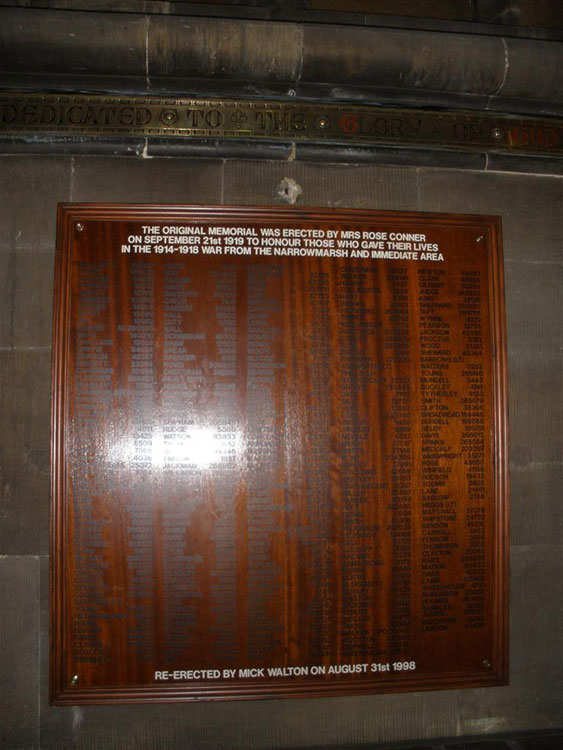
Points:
x=64, y=51
x=541, y=740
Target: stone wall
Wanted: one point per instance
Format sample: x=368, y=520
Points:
x=530, y=206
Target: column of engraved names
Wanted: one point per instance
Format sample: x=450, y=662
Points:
x=318, y=500
x=138, y=391
x=357, y=292
x=439, y=514
x=181, y=475
x=224, y=438
x=473, y=446
x=397, y=356
x=92, y=395
x=263, y=458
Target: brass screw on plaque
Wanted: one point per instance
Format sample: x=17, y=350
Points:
x=74, y=680
x=497, y=133
x=486, y=664
x=79, y=227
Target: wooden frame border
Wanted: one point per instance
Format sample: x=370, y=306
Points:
x=68, y=216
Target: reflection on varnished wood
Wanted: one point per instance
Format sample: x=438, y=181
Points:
x=279, y=453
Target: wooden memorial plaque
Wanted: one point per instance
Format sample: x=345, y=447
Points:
x=279, y=453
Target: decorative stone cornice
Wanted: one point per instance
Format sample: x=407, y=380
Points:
x=188, y=57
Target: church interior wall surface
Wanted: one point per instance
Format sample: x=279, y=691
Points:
x=530, y=207
x=475, y=56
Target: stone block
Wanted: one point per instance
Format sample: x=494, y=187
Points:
x=534, y=301
x=539, y=742
x=30, y=188
x=252, y=725
x=179, y=50
x=454, y=10
x=26, y=298
x=530, y=207
x=535, y=388
x=535, y=503
x=523, y=62
x=541, y=13
x=322, y=185
x=533, y=698
x=403, y=59
x=24, y=459
x=19, y=653
x=7, y=290
x=125, y=180
x=65, y=48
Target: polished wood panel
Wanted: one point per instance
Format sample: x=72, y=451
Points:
x=279, y=453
